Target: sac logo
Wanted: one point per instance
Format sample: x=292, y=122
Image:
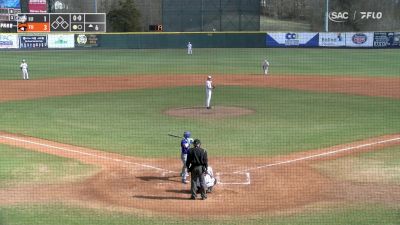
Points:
x=359, y=39
x=338, y=17
x=341, y=17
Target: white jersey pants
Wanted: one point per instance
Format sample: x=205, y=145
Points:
x=25, y=74
x=184, y=172
x=208, y=97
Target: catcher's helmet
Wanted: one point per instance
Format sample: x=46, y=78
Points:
x=186, y=134
x=196, y=142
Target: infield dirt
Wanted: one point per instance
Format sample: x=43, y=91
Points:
x=153, y=186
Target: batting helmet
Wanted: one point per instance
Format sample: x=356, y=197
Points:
x=186, y=134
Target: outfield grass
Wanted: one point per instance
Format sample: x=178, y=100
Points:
x=381, y=167
x=59, y=214
x=73, y=63
x=133, y=123
x=19, y=166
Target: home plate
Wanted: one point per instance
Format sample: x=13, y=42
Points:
x=233, y=178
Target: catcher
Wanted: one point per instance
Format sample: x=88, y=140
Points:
x=209, y=180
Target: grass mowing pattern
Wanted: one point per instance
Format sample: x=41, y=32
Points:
x=19, y=166
x=133, y=123
x=76, y=63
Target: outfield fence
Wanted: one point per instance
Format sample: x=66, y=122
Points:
x=203, y=40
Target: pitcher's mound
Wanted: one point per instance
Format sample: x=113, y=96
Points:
x=214, y=112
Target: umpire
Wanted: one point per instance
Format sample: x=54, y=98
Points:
x=197, y=163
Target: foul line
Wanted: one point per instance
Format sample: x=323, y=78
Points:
x=246, y=171
x=88, y=154
x=318, y=155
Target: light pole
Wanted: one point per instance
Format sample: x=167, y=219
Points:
x=327, y=16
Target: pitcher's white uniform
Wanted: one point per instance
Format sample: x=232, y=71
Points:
x=189, y=48
x=24, y=69
x=209, y=89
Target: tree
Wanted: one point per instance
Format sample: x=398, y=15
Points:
x=124, y=18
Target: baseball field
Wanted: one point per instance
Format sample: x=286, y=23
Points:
x=85, y=140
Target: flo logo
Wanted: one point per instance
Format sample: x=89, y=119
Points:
x=338, y=17
x=371, y=15
x=341, y=17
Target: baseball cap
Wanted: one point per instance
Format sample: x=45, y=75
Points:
x=196, y=142
x=209, y=77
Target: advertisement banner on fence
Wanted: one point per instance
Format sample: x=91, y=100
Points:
x=87, y=40
x=292, y=39
x=332, y=39
x=37, y=6
x=396, y=39
x=8, y=41
x=39, y=41
x=61, y=41
x=359, y=39
x=386, y=39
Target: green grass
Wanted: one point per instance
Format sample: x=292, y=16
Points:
x=375, y=167
x=75, y=63
x=274, y=25
x=18, y=166
x=59, y=214
x=133, y=123
x=354, y=215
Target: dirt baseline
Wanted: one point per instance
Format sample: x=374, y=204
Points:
x=153, y=186
x=285, y=183
x=33, y=89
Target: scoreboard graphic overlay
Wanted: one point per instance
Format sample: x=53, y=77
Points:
x=8, y=21
x=62, y=22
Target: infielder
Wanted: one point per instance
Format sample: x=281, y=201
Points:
x=209, y=89
x=24, y=69
x=185, y=146
x=189, y=48
x=265, y=66
x=209, y=180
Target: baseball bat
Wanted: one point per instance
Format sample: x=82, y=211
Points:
x=174, y=135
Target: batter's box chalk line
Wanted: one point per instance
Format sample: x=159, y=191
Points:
x=233, y=178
